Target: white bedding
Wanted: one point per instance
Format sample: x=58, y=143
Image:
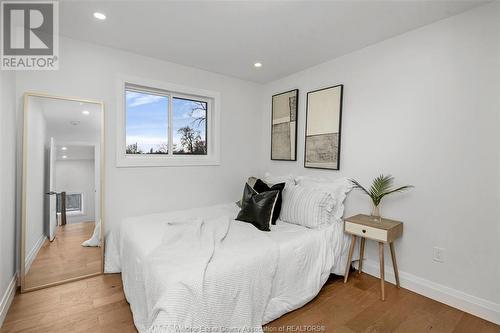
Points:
x=306, y=257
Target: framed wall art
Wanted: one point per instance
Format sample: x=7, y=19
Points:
x=284, y=126
x=323, y=128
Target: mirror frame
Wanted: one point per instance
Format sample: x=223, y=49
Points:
x=24, y=208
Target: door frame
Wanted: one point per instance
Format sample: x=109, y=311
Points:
x=51, y=187
x=24, y=207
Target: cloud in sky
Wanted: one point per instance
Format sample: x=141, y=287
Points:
x=137, y=99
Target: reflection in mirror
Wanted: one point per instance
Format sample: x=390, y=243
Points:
x=61, y=233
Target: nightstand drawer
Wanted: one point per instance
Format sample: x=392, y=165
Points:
x=365, y=231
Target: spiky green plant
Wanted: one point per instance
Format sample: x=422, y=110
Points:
x=381, y=186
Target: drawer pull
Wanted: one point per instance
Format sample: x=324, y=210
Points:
x=364, y=231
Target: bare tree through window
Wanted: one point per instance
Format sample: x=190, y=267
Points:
x=152, y=119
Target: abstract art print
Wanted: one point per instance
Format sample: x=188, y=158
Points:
x=323, y=125
x=284, y=126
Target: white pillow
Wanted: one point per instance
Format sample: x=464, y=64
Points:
x=337, y=188
x=270, y=180
x=95, y=239
x=306, y=206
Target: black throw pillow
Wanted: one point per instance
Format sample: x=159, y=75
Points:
x=260, y=187
x=257, y=208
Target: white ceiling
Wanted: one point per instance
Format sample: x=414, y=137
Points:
x=228, y=37
x=61, y=115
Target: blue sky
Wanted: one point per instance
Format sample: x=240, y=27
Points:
x=147, y=119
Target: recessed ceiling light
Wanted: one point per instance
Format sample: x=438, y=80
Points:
x=64, y=148
x=99, y=16
x=85, y=112
x=74, y=122
x=64, y=156
x=257, y=65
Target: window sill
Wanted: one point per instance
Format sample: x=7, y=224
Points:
x=75, y=213
x=131, y=161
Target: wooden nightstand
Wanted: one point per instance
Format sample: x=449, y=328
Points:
x=381, y=230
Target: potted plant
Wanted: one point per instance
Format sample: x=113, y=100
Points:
x=381, y=186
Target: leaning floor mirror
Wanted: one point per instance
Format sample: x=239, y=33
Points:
x=61, y=232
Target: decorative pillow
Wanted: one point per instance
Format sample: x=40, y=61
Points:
x=338, y=189
x=250, y=181
x=269, y=179
x=307, y=207
x=260, y=187
x=257, y=208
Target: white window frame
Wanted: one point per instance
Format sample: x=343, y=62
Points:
x=173, y=90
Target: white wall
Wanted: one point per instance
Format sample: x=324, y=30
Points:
x=78, y=176
x=7, y=184
x=424, y=107
x=35, y=177
x=90, y=71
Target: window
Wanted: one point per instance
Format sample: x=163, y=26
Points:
x=147, y=122
x=74, y=203
x=189, y=126
x=165, y=127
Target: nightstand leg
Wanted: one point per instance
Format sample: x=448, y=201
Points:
x=349, y=258
x=361, y=255
x=394, y=264
x=381, y=257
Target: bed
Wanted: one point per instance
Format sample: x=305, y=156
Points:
x=303, y=260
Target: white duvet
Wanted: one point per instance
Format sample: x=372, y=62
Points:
x=177, y=276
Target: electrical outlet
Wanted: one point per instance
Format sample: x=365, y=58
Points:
x=438, y=254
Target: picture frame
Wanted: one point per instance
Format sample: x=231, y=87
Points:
x=284, y=112
x=323, y=130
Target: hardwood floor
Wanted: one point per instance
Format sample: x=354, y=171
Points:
x=65, y=258
x=98, y=305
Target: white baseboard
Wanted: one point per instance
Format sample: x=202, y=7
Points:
x=33, y=253
x=7, y=298
x=474, y=305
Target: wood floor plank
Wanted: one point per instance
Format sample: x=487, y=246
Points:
x=469, y=323
x=65, y=257
x=98, y=305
